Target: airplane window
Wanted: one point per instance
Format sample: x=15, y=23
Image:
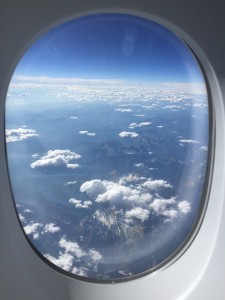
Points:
x=107, y=135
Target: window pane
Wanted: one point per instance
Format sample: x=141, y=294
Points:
x=107, y=136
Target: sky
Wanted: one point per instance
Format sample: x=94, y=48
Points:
x=111, y=46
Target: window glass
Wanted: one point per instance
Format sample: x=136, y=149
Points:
x=107, y=137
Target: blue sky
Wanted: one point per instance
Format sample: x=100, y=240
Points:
x=111, y=46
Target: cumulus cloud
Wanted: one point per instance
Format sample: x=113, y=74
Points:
x=138, y=213
x=71, y=247
x=74, y=118
x=128, y=134
x=95, y=255
x=130, y=178
x=64, y=261
x=57, y=158
x=134, y=197
x=134, y=125
x=114, y=193
x=32, y=229
x=19, y=134
x=93, y=187
x=184, y=207
x=51, y=228
x=85, y=132
x=79, y=204
x=22, y=218
x=164, y=207
x=73, y=259
x=156, y=184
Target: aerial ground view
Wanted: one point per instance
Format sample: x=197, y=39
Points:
x=107, y=133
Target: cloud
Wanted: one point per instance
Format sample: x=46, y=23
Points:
x=74, y=118
x=128, y=134
x=71, y=247
x=138, y=213
x=73, y=259
x=85, y=132
x=139, y=165
x=134, y=125
x=130, y=178
x=22, y=218
x=123, y=109
x=93, y=187
x=64, y=261
x=51, y=228
x=57, y=158
x=78, y=203
x=80, y=271
x=32, y=229
x=156, y=184
x=19, y=134
x=164, y=207
x=114, y=193
x=204, y=148
x=185, y=141
x=95, y=255
x=70, y=183
x=173, y=107
x=184, y=207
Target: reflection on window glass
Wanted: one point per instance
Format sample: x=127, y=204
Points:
x=107, y=144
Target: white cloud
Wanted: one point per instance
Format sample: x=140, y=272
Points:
x=123, y=109
x=32, y=229
x=130, y=178
x=73, y=259
x=78, y=203
x=74, y=118
x=80, y=271
x=57, y=158
x=71, y=247
x=85, y=132
x=184, y=207
x=70, y=182
x=185, y=141
x=114, y=193
x=156, y=184
x=164, y=207
x=19, y=134
x=93, y=187
x=95, y=255
x=139, y=165
x=64, y=261
x=128, y=134
x=134, y=125
x=51, y=228
x=138, y=213
x=204, y=148
x=173, y=107
x=22, y=218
